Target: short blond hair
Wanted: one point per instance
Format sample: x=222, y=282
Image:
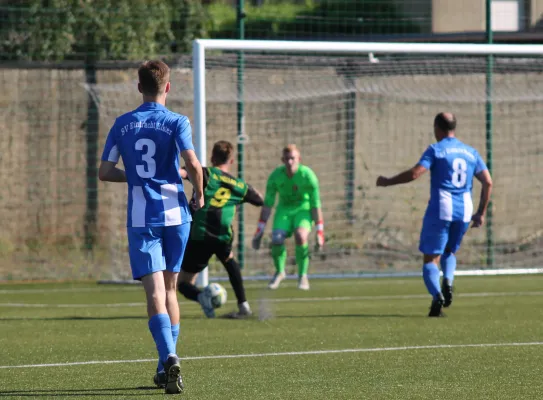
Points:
x=153, y=76
x=289, y=148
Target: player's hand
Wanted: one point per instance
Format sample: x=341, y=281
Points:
x=320, y=236
x=382, y=181
x=257, y=238
x=198, y=202
x=478, y=220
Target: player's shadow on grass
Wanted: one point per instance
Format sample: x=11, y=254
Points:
x=349, y=316
x=98, y=318
x=127, y=391
x=74, y=318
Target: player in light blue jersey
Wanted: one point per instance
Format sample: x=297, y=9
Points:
x=149, y=140
x=452, y=166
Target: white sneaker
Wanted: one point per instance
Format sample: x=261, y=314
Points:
x=303, y=283
x=207, y=305
x=276, y=280
x=243, y=313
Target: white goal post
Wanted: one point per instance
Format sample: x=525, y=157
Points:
x=372, y=51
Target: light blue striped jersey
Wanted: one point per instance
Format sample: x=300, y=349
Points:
x=149, y=140
x=452, y=165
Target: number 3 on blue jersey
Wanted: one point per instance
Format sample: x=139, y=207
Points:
x=460, y=169
x=148, y=149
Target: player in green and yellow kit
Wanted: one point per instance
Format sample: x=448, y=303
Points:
x=298, y=209
x=211, y=230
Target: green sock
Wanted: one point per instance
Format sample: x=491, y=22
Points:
x=279, y=254
x=302, y=258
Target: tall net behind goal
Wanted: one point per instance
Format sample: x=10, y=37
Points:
x=356, y=117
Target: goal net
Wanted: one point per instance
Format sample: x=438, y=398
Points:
x=370, y=112
x=355, y=114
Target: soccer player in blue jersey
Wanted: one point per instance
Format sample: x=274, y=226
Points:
x=452, y=166
x=149, y=140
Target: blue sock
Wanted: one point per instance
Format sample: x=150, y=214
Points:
x=448, y=266
x=175, y=335
x=430, y=274
x=161, y=329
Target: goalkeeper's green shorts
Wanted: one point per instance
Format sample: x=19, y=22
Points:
x=288, y=220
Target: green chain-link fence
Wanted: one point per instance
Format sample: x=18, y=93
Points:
x=54, y=211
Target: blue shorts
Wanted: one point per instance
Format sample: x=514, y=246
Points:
x=153, y=249
x=437, y=235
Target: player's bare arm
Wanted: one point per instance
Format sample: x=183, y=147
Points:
x=184, y=174
x=108, y=172
x=486, y=182
x=404, y=177
x=195, y=174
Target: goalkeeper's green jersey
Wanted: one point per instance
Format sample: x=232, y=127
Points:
x=301, y=191
x=222, y=194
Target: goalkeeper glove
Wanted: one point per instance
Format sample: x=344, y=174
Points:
x=320, y=235
x=258, y=234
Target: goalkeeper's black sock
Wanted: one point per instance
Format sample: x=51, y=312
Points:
x=188, y=290
x=234, y=273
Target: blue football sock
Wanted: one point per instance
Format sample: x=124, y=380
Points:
x=161, y=329
x=430, y=274
x=175, y=335
x=448, y=266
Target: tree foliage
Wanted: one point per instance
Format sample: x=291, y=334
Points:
x=56, y=30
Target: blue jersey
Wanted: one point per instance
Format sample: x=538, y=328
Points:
x=452, y=165
x=149, y=140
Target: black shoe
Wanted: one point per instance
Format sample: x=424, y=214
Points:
x=435, y=308
x=160, y=379
x=447, y=290
x=174, y=382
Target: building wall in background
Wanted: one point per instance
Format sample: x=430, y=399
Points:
x=469, y=15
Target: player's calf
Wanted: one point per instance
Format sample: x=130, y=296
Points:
x=447, y=290
x=236, y=280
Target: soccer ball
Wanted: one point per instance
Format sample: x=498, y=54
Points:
x=217, y=294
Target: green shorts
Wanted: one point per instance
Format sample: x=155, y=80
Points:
x=288, y=220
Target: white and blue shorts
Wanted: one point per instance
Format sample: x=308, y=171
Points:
x=153, y=249
x=437, y=235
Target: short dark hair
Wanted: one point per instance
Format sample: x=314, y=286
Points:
x=445, y=122
x=222, y=152
x=153, y=76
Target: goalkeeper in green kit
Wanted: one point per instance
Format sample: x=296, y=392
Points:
x=298, y=209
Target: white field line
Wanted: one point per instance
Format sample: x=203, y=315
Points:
x=288, y=353
x=72, y=290
x=398, y=277
x=280, y=300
